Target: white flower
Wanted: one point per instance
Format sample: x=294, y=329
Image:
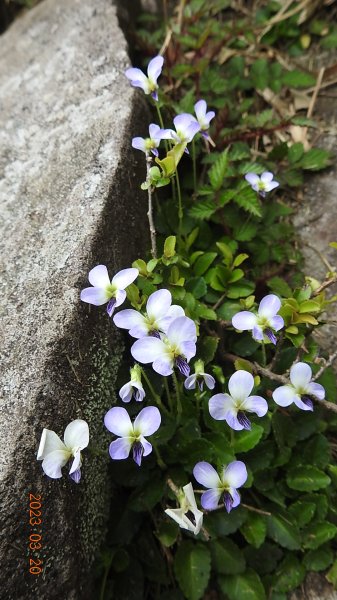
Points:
x=55, y=454
x=187, y=505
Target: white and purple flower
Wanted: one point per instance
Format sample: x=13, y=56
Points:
x=186, y=126
x=232, y=477
x=55, y=454
x=159, y=314
x=147, y=83
x=264, y=323
x=300, y=390
x=204, y=118
x=262, y=184
x=131, y=435
x=233, y=407
x=134, y=387
x=199, y=377
x=106, y=291
x=188, y=506
x=151, y=143
x=176, y=348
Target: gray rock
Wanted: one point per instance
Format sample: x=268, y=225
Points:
x=69, y=201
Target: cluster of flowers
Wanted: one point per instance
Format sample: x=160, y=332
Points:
x=166, y=338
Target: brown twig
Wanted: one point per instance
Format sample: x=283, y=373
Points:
x=327, y=364
x=325, y=285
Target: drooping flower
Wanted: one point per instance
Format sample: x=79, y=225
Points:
x=186, y=126
x=199, y=377
x=233, y=407
x=158, y=316
x=204, y=118
x=188, y=516
x=134, y=387
x=131, y=435
x=104, y=291
x=176, y=348
x=147, y=83
x=232, y=477
x=300, y=390
x=151, y=143
x=262, y=184
x=264, y=323
x=55, y=454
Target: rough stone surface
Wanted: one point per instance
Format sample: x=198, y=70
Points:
x=69, y=201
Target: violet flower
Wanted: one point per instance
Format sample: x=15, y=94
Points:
x=188, y=516
x=104, y=291
x=187, y=127
x=262, y=184
x=199, y=377
x=176, y=348
x=300, y=390
x=131, y=435
x=232, y=477
x=232, y=407
x=151, y=143
x=134, y=387
x=147, y=83
x=264, y=323
x=55, y=454
x=158, y=316
x=204, y=118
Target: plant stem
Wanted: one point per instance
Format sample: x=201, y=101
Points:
x=156, y=397
x=150, y=209
x=159, y=116
x=168, y=394
x=160, y=461
x=264, y=355
x=180, y=205
x=194, y=167
x=179, y=406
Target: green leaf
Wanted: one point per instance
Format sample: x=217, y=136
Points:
x=317, y=534
x=246, y=440
x=144, y=498
x=249, y=201
x=169, y=246
x=283, y=530
x=295, y=152
x=192, y=566
x=247, y=586
x=302, y=512
x=245, y=232
x=279, y=286
x=332, y=574
x=254, y=529
x=227, y=558
x=207, y=347
x=203, y=263
x=221, y=524
x=289, y=574
x=239, y=259
x=307, y=478
x=218, y=170
x=203, y=210
x=167, y=533
x=315, y=159
x=196, y=286
x=319, y=559
x=298, y=79
x=240, y=290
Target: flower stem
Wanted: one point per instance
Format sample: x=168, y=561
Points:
x=264, y=355
x=159, y=116
x=194, y=167
x=179, y=406
x=150, y=209
x=156, y=397
x=160, y=461
x=168, y=394
x=180, y=205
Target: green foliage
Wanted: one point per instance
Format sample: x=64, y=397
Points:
x=192, y=568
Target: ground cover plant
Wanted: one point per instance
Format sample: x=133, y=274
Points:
x=223, y=433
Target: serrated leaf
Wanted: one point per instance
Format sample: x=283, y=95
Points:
x=283, y=530
x=289, y=574
x=227, y=558
x=217, y=171
x=307, y=478
x=192, y=566
x=319, y=559
x=203, y=210
x=247, y=586
x=249, y=201
x=315, y=159
x=317, y=534
x=298, y=79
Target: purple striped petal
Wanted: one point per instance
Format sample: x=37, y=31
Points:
x=304, y=402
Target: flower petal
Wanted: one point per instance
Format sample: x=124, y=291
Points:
x=235, y=475
x=267, y=177
x=124, y=277
x=277, y=322
x=178, y=515
x=205, y=474
x=117, y=421
x=155, y=68
x=181, y=330
x=257, y=333
x=284, y=395
x=269, y=306
x=240, y=385
x=76, y=434
x=188, y=349
x=76, y=462
x=300, y=375
x=139, y=144
x=200, y=109
x=210, y=499
x=53, y=463
x=95, y=296
x=137, y=78
x=302, y=405
x=147, y=447
x=271, y=186
x=99, y=277
x=190, y=382
x=127, y=319
x=125, y=393
x=231, y=418
x=317, y=390
x=252, y=178
x=255, y=404
x=50, y=442
x=219, y=405
x=147, y=421
x=120, y=448
x=236, y=497
x=244, y=320
x=209, y=380
x=158, y=304
x=148, y=349
x=163, y=365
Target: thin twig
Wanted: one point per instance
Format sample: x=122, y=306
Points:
x=325, y=285
x=327, y=364
x=257, y=510
x=150, y=209
x=315, y=94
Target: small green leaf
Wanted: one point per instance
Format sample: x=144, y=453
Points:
x=283, y=530
x=203, y=210
x=295, y=152
x=192, y=566
x=227, y=558
x=203, y=263
x=254, y=529
x=302, y=512
x=167, y=533
x=207, y=347
x=332, y=574
x=245, y=586
x=319, y=559
x=196, y=286
x=169, y=246
x=289, y=574
x=246, y=440
x=317, y=534
x=298, y=79
x=218, y=171
x=315, y=159
x=307, y=478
